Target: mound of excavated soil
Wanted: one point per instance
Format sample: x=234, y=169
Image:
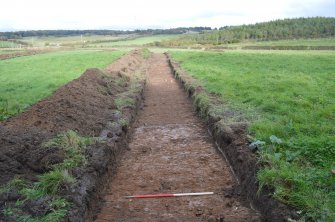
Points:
x=85, y=105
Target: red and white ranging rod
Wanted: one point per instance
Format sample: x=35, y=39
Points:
x=169, y=195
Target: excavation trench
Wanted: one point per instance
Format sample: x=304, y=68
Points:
x=172, y=152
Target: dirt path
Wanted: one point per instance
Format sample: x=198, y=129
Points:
x=171, y=152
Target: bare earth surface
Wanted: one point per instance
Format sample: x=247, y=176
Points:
x=171, y=152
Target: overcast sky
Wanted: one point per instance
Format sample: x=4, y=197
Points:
x=143, y=14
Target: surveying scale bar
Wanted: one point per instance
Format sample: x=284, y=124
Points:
x=170, y=195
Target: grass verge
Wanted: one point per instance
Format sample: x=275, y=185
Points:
x=289, y=99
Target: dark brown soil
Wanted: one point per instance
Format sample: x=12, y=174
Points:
x=21, y=53
x=171, y=152
x=85, y=105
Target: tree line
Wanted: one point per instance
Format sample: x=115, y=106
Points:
x=298, y=28
x=35, y=33
x=316, y=27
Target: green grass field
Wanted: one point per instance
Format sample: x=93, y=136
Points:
x=26, y=80
x=293, y=44
x=135, y=42
x=289, y=98
x=305, y=42
x=323, y=42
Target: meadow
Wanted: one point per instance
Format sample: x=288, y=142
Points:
x=289, y=42
x=42, y=41
x=288, y=97
x=137, y=41
x=284, y=44
x=305, y=42
x=26, y=80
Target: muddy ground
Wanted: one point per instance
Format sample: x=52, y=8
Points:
x=85, y=105
x=172, y=152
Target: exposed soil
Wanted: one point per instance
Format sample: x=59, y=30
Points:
x=172, y=152
x=85, y=105
x=22, y=53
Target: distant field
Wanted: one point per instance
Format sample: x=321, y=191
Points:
x=323, y=42
x=289, y=95
x=94, y=40
x=135, y=42
x=8, y=44
x=26, y=80
x=186, y=41
x=306, y=42
x=68, y=40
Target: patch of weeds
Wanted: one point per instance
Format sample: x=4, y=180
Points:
x=189, y=87
x=123, y=101
x=74, y=147
x=4, y=110
x=134, y=88
x=19, y=203
x=138, y=76
x=49, y=184
x=57, y=203
x=135, y=85
x=15, y=184
x=124, y=122
x=122, y=81
x=202, y=102
x=11, y=212
x=32, y=192
x=145, y=53
x=57, y=208
x=8, y=212
x=56, y=215
x=70, y=140
x=54, y=180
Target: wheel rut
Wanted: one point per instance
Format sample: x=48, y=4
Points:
x=171, y=152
